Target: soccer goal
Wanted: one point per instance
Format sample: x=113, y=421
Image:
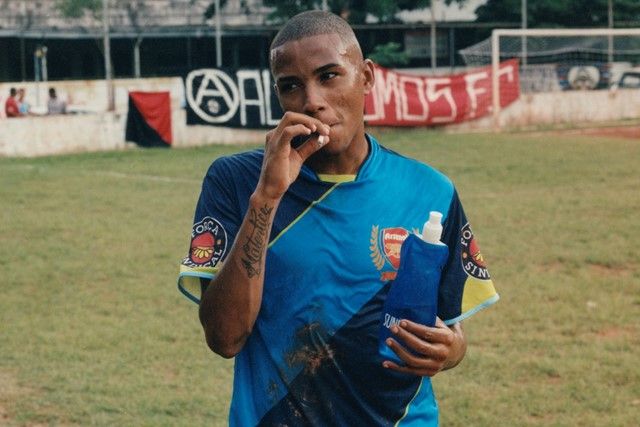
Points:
x=558, y=59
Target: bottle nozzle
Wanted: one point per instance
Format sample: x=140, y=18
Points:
x=435, y=217
x=432, y=230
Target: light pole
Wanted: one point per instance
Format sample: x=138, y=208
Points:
x=23, y=27
x=107, y=56
x=523, y=15
x=433, y=36
x=218, y=36
x=45, y=69
x=136, y=57
x=610, y=38
x=37, y=70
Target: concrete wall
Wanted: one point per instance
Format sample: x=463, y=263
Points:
x=564, y=108
x=90, y=96
x=90, y=128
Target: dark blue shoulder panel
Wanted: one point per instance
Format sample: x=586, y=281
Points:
x=231, y=180
x=319, y=395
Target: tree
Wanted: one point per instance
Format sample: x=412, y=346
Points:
x=389, y=55
x=77, y=8
x=210, y=12
x=559, y=13
x=135, y=9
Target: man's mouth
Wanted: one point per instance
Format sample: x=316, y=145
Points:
x=331, y=121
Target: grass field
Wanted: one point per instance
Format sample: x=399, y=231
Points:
x=94, y=331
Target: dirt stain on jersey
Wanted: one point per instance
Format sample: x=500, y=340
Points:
x=312, y=350
x=311, y=358
x=272, y=390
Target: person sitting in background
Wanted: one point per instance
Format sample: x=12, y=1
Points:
x=23, y=106
x=11, y=108
x=55, y=105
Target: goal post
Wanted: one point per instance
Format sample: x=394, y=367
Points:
x=497, y=34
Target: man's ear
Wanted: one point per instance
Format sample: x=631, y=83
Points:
x=368, y=73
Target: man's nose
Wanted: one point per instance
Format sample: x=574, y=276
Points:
x=314, y=100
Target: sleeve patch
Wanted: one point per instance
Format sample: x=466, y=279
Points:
x=208, y=243
x=472, y=260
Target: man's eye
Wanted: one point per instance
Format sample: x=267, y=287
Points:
x=328, y=75
x=287, y=87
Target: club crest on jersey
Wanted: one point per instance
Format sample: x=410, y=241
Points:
x=385, y=249
x=208, y=243
x=472, y=260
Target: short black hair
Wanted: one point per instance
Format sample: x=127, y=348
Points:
x=313, y=23
x=13, y=91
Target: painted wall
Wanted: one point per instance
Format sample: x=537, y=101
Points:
x=90, y=128
x=564, y=108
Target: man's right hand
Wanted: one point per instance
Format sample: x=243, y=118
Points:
x=282, y=162
x=230, y=304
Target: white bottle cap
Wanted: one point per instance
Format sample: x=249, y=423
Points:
x=432, y=230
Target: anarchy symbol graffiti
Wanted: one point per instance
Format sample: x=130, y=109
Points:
x=212, y=95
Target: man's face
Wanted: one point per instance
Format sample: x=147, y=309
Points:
x=321, y=77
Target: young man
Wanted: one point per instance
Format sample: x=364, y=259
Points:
x=55, y=105
x=293, y=251
x=11, y=107
x=23, y=106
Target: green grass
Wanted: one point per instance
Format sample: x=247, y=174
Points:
x=94, y=331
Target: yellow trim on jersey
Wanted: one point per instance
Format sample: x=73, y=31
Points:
x=211, y=270
x=315, y=202
x=189, y=280
x=406, y=409
x=476, y=292
x=336, y=178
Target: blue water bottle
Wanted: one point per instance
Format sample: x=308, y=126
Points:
x=414, y=292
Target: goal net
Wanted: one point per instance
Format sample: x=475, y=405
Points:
x=561, y=59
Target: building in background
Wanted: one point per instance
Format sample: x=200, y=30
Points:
x=151, y=38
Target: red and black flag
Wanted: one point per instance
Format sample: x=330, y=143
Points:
x=149, y=119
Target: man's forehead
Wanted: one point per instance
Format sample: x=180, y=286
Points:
x=329, y=45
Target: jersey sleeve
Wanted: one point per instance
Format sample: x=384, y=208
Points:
x=466, y=286
x=215, y=225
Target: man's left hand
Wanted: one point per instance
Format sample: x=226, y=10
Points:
x=433, y=349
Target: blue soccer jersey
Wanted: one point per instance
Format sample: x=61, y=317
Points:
x=334, y=250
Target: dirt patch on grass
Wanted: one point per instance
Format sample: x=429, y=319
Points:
x=617, y=332
x=605, y=270
x=624, y=132
x=9, y=392
x=617, y=132
x=550, y=266
x=4, y=415
x=12, y=392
